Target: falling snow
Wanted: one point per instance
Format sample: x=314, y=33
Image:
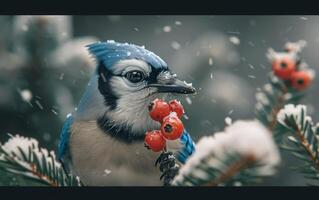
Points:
x=26, y=95
x=235, y=40
x=167, y=29
x=178, y=23
x=107, y=172
x=54, y=112
x=188, y=100
x=251, y=66
x=186, y=117
x=175, y=45
x=61, y=76
x=233, y=32
x=252, y=76
x=210, y=61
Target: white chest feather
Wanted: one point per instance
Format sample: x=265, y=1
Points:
x=101, y=160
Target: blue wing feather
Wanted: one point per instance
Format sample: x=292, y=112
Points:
x=65, y=137
x=188, y=147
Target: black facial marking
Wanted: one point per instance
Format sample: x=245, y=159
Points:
x=121, y=133
x=152, y=78
x=105, y=87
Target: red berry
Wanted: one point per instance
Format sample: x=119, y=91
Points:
x=283, y=67
x=177, y=107
x=158, y=109
x=172, y=127
x=154, y=140
x=300, y=80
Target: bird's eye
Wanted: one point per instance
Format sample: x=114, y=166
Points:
x=135, y=76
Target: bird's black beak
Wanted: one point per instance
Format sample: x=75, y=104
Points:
x=167, y=82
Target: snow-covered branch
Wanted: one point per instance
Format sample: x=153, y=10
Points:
x=303, y=138
x=240, y=155
x=23, y=156
x=288, y=80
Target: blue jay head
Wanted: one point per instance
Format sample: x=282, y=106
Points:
x=129, y=78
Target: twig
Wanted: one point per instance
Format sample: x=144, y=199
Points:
x=234, y=169
x=306, y=146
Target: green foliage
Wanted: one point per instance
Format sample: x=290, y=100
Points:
x=235, y=170
x=302, y=140
x=22, y=156
x=272, y=98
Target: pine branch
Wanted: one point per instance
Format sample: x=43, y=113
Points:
x=303, y=138
x=23, y=156
x=241, y=155
x=234, y=169
x=282, y=88
x=272, y=98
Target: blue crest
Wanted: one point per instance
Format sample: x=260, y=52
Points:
x=111, y=52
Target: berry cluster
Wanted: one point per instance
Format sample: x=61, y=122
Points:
x=288, y=67
x=168, y=114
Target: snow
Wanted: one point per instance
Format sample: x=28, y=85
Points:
x=235, y=40
x=61, y=76
x=26, y=95
x=262, y=98
x=22, y=142
x=210, y=61
x=167, y=29
x=268, y=88
x=188, y=100
x=294, y=111
x=251, y=66
x=175, y=45
x=178, y=23
x=228, y=121
x=107, y=172
x=54, y=112
x=29, y=146
x=296, y=47
x=25, y=27
x=243, y=138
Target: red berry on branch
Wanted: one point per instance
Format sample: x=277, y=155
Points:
x=283, y=67
x=172, y=127
x=158, y=109
x=154, y=140
x=300, y=80
x=177, y=107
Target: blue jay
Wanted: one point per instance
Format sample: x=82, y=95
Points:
x=102, y=142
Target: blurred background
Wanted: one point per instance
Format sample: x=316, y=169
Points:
x=44, y=68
